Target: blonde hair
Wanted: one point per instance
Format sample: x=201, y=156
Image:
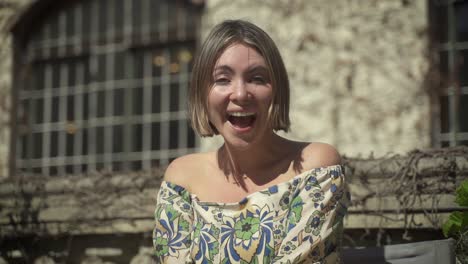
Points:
x=221, y=37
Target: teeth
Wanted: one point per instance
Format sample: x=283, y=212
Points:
x=239, y=114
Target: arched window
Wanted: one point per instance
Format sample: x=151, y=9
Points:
x=102, y=85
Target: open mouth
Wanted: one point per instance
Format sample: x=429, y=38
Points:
x=241, y=119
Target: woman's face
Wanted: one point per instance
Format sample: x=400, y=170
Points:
x=240, y=98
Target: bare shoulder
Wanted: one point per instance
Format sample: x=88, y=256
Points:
x=183, y=171
x=318, y=154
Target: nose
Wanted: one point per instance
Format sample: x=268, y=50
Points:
x=240, y=92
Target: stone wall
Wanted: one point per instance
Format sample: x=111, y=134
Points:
x=8, y=9
x=357, y=69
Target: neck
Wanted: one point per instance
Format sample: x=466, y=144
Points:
x=242, y=163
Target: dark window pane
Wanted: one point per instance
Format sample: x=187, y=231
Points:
x=70, y=108
x=190, y=137
x=39, y=118
x=119, y=14
x=461, y=15
x=117, y=166
x=441, y=23
x=462, y=67
x=118, y=139
x=85, y=106
x=135, y=165
x=55, y=109
x=463, y=143
x=136, y=16
x=24, y=147
x=37, y=145
x=55, y=75
x=155, y=136
x=101, y=104
x=70, y=22
x=445, y=144
x=174, y=97
x=174, y=134
x=69, y=169
x=120, y=66
x=137, y=137
x=119, y=95
x=444, y=69
x=138, y=101
x=137, y=62
x=86, y=12
x=69, y=148
x=54, y=144
x=38, y=77
x=463, y=113
x=100, y=140
x=156, y=100
x=444, y=114
x=103, y=14
x=53, y=170
x=100, y=74
x=84, y=143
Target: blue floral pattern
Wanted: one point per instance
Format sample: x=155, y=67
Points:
x=298, y=221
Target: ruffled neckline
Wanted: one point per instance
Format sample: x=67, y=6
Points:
x=181, y=190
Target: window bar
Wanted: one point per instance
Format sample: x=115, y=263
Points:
x=128, y=107
x=46, y=120
x=92, y=96
x=163, y=21
x=165, y=107
x=63, y=82
x=147, y=97
x=453, y=117
x=78, y=119
x=146, y=23
x=78, y=95
x=47, y=105
x=62, y=115
x=109, y=92
x=182, y=86
x=181, y=18
x=31, y=114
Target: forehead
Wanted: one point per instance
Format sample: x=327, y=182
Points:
x=240, y=54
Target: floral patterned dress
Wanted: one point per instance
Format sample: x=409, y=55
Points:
x=298, y=221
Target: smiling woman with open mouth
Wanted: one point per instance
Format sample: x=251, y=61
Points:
x=260, y=197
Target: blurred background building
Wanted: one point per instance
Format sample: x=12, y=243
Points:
x=93, y=102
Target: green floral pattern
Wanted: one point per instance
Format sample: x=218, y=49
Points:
x=298, y=221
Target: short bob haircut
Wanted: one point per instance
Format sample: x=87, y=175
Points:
x=221, y=37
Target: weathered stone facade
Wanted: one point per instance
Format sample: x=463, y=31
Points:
x=357, y=69
x=8, y=10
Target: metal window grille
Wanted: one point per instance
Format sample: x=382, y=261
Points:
x=104, y=87
x=451, y=30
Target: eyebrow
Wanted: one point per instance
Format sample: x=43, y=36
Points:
x=226, y=69
x=223, y=69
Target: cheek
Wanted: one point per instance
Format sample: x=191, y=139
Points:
x=215, y=105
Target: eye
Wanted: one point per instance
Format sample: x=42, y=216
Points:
x=222, y=81
x=258, y=79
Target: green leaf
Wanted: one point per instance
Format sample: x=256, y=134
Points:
x=455, y=224
x=462, y=194
x=296, y=209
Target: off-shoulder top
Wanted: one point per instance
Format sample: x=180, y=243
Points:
x=297, y=221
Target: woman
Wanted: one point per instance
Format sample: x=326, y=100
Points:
x=260, y=198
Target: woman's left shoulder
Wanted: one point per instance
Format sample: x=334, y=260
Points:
x=317, y=154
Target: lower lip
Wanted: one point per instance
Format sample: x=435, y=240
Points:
x=241, y=129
